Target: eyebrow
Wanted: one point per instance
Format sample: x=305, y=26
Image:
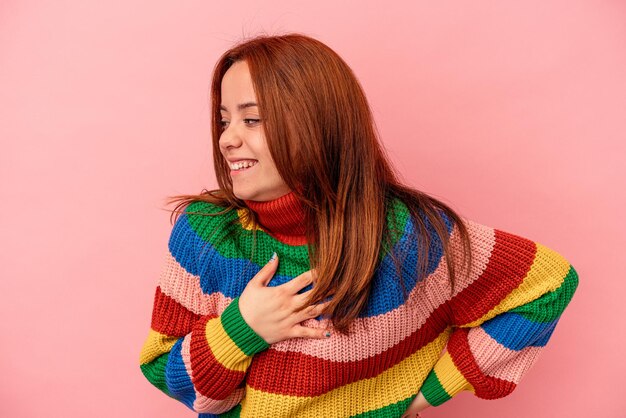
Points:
x=241, y=106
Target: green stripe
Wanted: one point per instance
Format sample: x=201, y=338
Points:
x=229, y=240
x=393, y=410
x=433, y=391
x=233, y=413
x=240, y=332
x=550, y=306
x=232, y=241
x=155, y=373
x=397, y=218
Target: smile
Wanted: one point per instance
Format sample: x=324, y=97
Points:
x=242, y=165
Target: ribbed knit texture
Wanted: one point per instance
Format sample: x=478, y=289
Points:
x=283, y=217
x=491, y=330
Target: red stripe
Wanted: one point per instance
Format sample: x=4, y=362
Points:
x=305, y=375
x=170, y=317
x=209, y=377
x=509, y=262
x=486, y=387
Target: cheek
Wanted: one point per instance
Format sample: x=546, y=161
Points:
x=272, y=167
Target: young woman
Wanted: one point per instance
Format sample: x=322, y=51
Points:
x=377, y=300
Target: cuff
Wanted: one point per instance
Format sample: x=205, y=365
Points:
x=444, y=381
x=248, y=341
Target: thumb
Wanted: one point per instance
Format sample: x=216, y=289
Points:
x=266, y=273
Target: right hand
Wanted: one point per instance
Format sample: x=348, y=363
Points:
x=270, y=311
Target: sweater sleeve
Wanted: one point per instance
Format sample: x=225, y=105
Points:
x=191, y=353
x=503, y=313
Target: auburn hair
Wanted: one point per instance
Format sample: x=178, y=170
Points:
x=321, y=134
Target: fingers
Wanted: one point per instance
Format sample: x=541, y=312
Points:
x=266, y=273
x=312, y=311
x=300, y=331
x=302, y=298
x=299, y=282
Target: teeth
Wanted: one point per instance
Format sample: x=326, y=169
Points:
x=242, y=164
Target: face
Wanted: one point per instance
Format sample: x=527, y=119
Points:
x=242, y=142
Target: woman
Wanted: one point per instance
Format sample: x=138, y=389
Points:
x=368, y=281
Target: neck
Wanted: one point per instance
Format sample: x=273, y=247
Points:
x=282, y=218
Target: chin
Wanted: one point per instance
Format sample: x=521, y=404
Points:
x=258, y=196
x=248, y=195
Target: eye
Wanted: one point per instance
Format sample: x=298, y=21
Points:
x=251, y=122
x=223, y=123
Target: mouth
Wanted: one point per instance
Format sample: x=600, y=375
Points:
x=241, y=166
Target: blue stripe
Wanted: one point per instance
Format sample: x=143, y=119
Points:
x=516, y=332
x=176, y=377
x=229, y=276
x=386, y=293
x=184, y=245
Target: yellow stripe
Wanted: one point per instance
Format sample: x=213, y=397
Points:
x=224, y=349
x=450, y=377
x=391, y=386
x=155, y=345
x=546, y=274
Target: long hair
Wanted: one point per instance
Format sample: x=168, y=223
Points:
x=321, y=134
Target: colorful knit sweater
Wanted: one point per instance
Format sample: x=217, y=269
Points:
x=491, y=329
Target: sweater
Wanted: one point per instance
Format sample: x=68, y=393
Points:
x=482, y=337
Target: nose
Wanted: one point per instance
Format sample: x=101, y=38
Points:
x=230, y=138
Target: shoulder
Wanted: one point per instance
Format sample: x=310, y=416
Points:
x=400, y=217
x=202, y=217
x=198, y=224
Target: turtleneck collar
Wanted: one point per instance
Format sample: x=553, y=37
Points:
x=282, y=218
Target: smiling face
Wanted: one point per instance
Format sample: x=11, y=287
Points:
x=242, y=141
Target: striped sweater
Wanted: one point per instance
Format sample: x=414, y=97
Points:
x=490, y=330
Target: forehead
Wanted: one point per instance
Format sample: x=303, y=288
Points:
x=237, y=83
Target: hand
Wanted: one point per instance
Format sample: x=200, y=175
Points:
x=418, y=405
x=270, y=311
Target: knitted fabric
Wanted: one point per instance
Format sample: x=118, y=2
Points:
x=491, y=329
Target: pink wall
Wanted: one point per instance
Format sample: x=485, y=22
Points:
x=513, y=112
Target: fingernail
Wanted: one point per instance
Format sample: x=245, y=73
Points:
x=327, y=334
x=273, y=257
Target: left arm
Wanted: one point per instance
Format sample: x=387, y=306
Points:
x=502, y=317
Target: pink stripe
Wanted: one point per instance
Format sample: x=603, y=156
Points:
x=496, y=360
x=483, y=240
x=184, y=288
x=186, y=356
x=398, y=324
x=204, y=403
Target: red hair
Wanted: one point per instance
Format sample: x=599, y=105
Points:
x=321, y=134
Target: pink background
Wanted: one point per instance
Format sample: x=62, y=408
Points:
x=512, y=112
